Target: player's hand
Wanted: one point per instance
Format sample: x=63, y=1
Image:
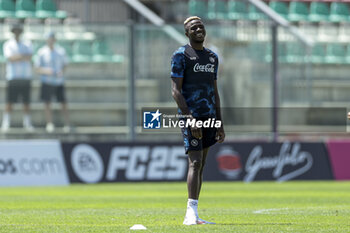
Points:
x=220, y=135
x=48, y=71
x=196, y=132
x=349, y=115
x=59, y=74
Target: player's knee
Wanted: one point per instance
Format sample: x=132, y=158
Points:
x=196, y=165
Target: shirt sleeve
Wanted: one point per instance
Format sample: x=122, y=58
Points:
x=7, y=50
x=38, y=61
x=177, y=65
x=29, y=48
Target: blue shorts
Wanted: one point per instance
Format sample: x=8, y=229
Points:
x=191, y=143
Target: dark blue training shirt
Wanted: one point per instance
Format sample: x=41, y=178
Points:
x=198, y=68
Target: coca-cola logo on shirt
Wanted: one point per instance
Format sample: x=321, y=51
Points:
x=204, y=68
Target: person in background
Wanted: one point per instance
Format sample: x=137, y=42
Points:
x=50, y=63
x=18, y=56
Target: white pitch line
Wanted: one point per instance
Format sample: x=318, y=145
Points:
x=267, y=211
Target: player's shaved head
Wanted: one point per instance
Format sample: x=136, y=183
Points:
x=190, y=19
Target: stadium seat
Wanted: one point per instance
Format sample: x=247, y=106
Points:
x=296, y=53
x=298, y=11
x=255, y=13
x=217, y=9
x=257, y=51
x=82, y=51
x=319, y=11
x=2, y=58
x=37, y=45
x=198, y=8
x=282, y=52
x=347, y=56
x=67, y=46
x=102, y=53
x=318, y=53
x=336, y=53
x=237, y=10
x=48, y=9
x=339, y=12
x=25, y=9
x=7, y=9
x=280, y=7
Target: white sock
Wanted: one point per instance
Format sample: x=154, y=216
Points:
x=192, y=207
x=6, y=118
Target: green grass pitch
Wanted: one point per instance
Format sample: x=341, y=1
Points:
x=234, y=206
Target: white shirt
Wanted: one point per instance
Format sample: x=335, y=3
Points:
x=55, y=59
x=18, y=69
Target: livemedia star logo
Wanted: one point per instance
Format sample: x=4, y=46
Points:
x=157, y=120
x=151, y=120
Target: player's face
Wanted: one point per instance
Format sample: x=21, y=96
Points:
x=196, y=31
x=17, y=32
x=51, y=41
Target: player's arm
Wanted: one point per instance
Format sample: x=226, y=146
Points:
x=220, y=135
x=40, y=68
x=44, y=70
x=15, y=57
x=20, y=57
x=176, y=86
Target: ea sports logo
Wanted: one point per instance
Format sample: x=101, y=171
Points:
x=87, y=163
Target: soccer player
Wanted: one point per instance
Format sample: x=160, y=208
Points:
x=194, y=73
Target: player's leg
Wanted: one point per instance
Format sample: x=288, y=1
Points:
x=50, y=127
x=193, y=182
x=194, y=171
x=10, y=99
x=204, y=158
x=207, y=141
x=61, y=97
x=25, y=90
x=45, y=96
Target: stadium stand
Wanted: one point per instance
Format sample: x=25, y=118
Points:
x=82, y=51
x=255, y=14
x=217, y=9
x=295, y=53
x=25, y=9
x=237, y=10
x=319, y=11
x=336, y=53
x=298, y=11
x=103, y=53
x=48, y=9
x=339, y=12
x=318, y=53
x=198, y=7
x=279, y=7
x=7, y=9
